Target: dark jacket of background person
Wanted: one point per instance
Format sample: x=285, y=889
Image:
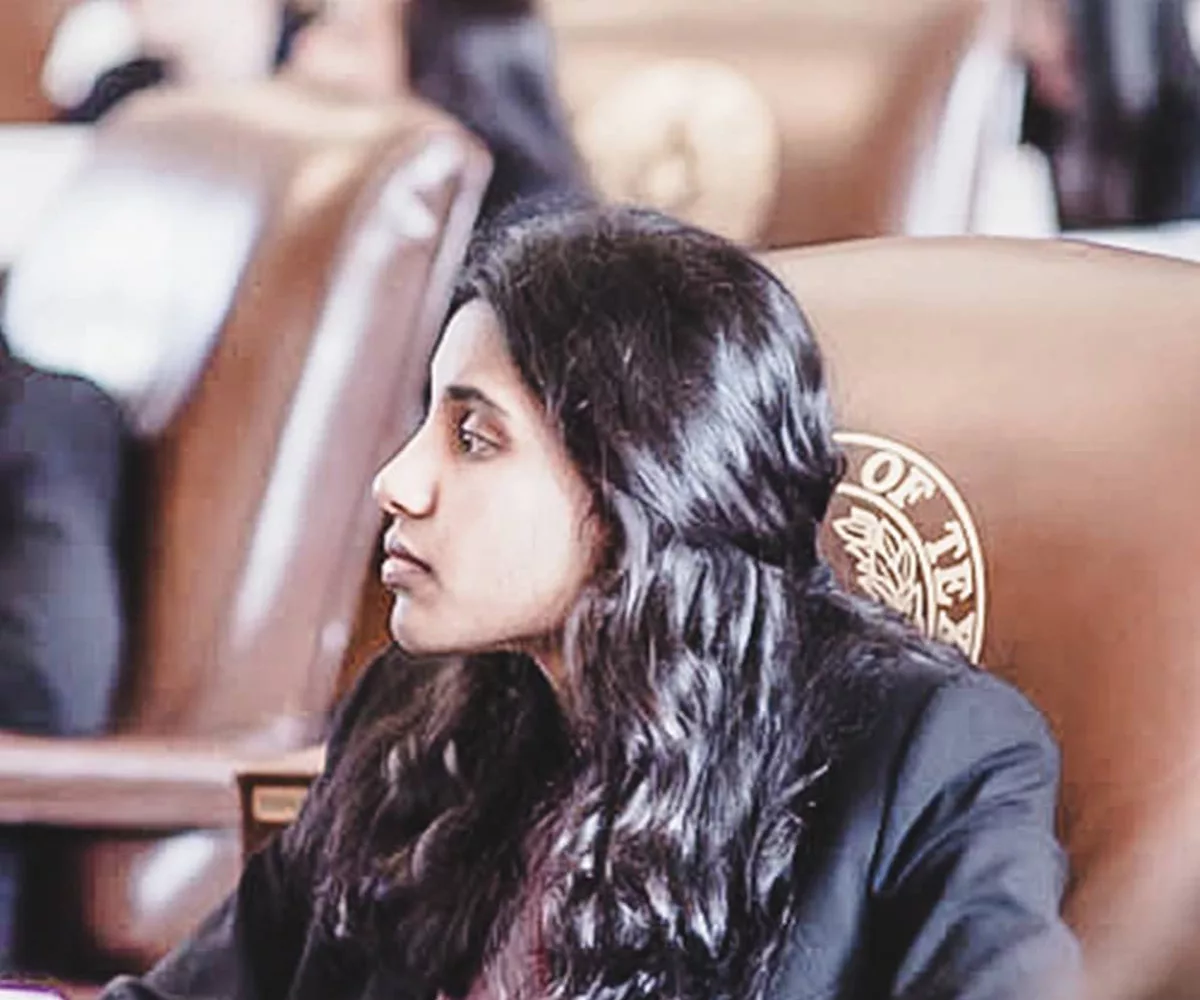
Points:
x=930, y=871
x=62, y=457
x=1126, y=151
x=63, y=452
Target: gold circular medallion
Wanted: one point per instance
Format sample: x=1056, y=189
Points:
x=899, y=532
x=691, y=137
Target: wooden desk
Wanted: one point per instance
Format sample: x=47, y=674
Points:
x=273, y=791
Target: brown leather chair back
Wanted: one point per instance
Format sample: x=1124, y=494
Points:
x=775, y=122
x=26, y=31
x=1058, y=387
x=288, y=256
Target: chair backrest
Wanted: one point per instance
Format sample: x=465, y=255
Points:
x=1058, y=386
x=775, y=122
x=260, y=273
x=26, y=31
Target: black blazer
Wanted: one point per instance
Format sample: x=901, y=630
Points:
x=932, y=870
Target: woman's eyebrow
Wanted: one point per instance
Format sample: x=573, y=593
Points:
x=469, y=394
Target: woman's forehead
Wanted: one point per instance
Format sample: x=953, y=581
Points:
x=472, y=348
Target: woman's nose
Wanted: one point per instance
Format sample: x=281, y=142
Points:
x=407, y=483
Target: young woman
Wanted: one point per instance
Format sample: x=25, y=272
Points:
x=632, y=740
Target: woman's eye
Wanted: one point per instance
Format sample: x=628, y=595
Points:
x=469, y=440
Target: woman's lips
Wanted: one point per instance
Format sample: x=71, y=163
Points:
x=399, y=572
x=401, y=567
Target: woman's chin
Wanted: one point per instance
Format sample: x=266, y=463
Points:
x=405, y=632
x=418, y=636
x=420, y=629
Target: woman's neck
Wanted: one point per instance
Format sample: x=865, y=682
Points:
x=548, y=655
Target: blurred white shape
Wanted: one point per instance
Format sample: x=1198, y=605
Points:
x=977, y=114
x=93, y=37
x=36, y=164
x=175, y=864
x=1016, y=195
x=128, y=284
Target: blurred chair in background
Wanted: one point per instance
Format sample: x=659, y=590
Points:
x=1051, y=383
x=775, y=122
x=257, y=274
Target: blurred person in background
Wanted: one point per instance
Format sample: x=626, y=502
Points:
x=1114, y=102
x=105, y=50
x=63, y=452
x=489, y=63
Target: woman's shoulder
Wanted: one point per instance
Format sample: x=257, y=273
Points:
x=945, y=701
x=889, y=686
x=938, y=823
x=933, y=730
x=924, y=713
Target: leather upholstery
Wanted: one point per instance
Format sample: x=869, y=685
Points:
x=775, y=122
x=26, y=31
x=1058, y=385
x=269, y=396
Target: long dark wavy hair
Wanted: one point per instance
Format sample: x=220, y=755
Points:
x=640, y=831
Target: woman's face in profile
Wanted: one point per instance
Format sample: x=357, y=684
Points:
x=491, y=537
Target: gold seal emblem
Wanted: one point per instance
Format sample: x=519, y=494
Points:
x=898, y=531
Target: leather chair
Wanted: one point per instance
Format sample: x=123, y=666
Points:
x=1057, y=386
x=283, y=259
x=26, y=30
x=774, y=122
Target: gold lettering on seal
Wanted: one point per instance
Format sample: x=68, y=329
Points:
x=909, y=541
x=952, y=584
x=882, y=472
x=916, y=487
x=953, y=541
x=957, y=633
